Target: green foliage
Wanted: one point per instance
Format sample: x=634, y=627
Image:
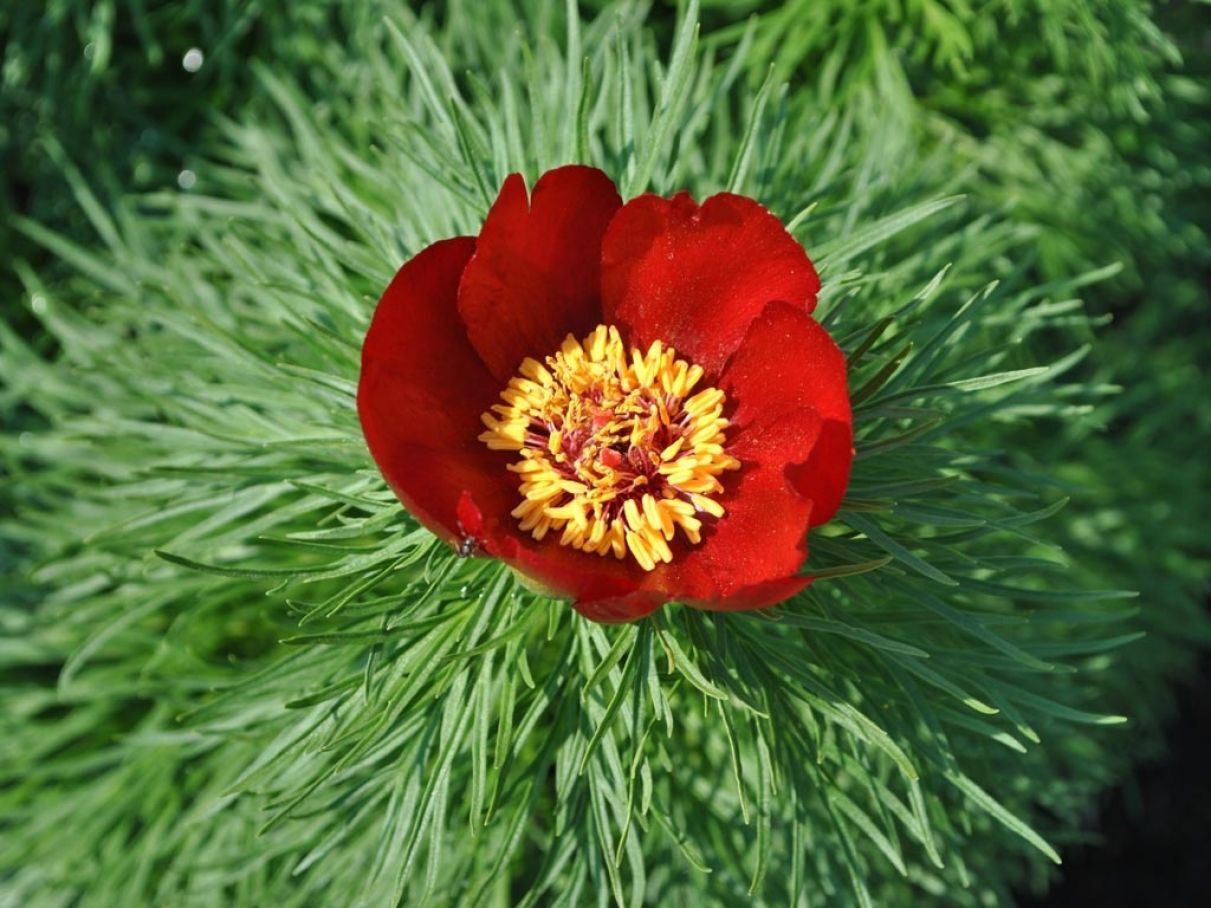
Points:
x=1078, y=114
x=239, y=673
x=96, y=90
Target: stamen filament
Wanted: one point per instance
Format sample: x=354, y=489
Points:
x=614, y=454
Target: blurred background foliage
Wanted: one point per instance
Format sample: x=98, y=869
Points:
x=97, y=92
x=1088, y=118
x=1084, y=123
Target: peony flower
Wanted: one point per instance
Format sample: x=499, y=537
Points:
x=627, y=404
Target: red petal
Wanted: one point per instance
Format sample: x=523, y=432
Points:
x=759, y=595
x=421, y=393
x=536, y=274
x=559, y=569
x=788, y=362
x=629, y=607
x=825, y=476
x=696, y=277
x=754, y=551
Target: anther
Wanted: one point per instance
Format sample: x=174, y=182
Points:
x=613, y=454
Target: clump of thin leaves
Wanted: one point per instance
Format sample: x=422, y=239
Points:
x=1080, y=115
x=111, y=77
x=238, y=672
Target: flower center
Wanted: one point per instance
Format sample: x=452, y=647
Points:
x=615, y=452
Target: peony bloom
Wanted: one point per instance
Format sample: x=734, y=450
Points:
x=627, y=404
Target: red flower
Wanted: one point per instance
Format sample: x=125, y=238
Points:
x=664, y=418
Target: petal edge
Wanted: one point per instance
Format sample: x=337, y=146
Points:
x=696, y=276
x=536, y=274
x=422, y=388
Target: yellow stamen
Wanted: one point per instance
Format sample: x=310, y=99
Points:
x=616, y=455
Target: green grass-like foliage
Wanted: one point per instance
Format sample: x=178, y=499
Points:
x=1081, y=115
x=100, y=83
x=237, y=672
